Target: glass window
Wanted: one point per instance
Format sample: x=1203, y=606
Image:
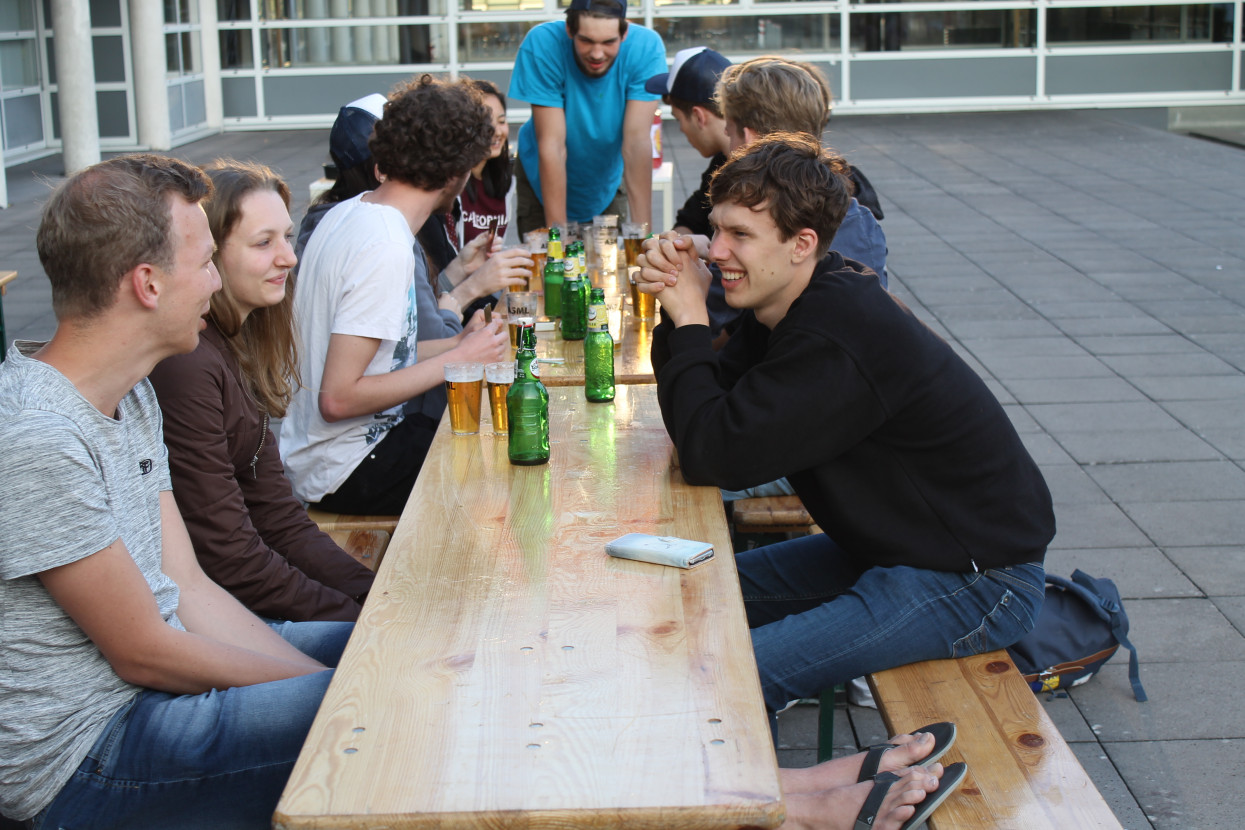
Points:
x=1153, y=24
x=491, y=41
x=501, y=5
x=351, y=46
x=179, y=11
x=104, y=13
x=180, y=52
x=233, y=9
x=892, y=31
x=755, y=35
x=235, y=50
x=17, y=16
x=348, y=9
x=19, y=64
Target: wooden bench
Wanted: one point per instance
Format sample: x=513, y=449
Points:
x=329, y=522
x=367, y=546
x=1021, y=772
x=772, y=514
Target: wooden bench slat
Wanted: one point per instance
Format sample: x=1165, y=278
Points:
x=1021, y=772
x=344, y=521
x=367, y=546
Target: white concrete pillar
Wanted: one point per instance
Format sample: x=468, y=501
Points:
x=4, y=180
x=151, y=92
x=343, y=54
x=209, y=48
x=317, y=38
x=362, y=34
x=75, y=84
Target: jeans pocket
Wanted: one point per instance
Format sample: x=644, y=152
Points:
x=1007, y=621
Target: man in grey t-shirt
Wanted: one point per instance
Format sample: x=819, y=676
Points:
x=134, y=692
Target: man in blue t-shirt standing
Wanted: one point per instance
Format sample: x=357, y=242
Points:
x=591, y=116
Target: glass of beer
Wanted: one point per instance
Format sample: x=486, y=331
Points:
x=462, y=386
x=515, y=324
x=499, y=376
x=633, y=234
x=537, y=242
x=614, y=312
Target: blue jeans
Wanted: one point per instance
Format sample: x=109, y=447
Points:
x=817, y=619
x=215, y=760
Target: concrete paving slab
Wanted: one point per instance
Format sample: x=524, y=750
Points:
x=1072, y=390
x=1233, y=609
x=1190, y=523
x=1110, y=783
x=1138, y=344
x=1138, y=573
x=1187, y=701
x=1026, y=347
x=1053, y=366
x=1136, y=445
x=1190, y=630
x=1096, y=526
x=1184, y=784
x=1183, y=365
x=1061, y=418
x=1217, y=571
x=1190, y=388
x=1171, y=481
x=1069, y=484
x=1076, y=326
x=1044, y=449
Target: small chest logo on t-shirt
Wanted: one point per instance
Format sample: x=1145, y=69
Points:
x=145, y=466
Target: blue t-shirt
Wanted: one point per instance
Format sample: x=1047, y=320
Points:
x=545, y=74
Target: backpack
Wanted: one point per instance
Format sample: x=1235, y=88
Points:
x=1081, y=625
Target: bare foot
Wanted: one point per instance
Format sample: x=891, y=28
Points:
x=909, y=750
x=836, y=809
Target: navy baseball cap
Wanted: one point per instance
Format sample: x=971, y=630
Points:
x=352, y=129
x=609, y=8
x=693, y=76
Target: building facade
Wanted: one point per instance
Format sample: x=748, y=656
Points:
x=256, y=64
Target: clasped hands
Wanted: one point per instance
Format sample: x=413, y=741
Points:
x=671, y=269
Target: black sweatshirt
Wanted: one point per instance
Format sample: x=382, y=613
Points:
x=897, y=448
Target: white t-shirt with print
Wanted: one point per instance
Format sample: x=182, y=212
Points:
x=356, y=278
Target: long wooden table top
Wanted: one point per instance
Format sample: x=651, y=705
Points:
x=631, y=359
x=506, y=672
x=1021, y=773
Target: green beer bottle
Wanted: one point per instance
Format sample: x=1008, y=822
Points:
x=598, y=352
x=574, y=307
x=553, y=275
x=527, y=405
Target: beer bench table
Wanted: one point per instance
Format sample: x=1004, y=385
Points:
x=506, y=672
x=1021, y=773
x=632, y=363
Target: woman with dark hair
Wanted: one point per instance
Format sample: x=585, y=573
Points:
x=484, y=199
x=249, y=532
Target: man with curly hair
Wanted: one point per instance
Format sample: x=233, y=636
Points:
x=346, y=444
x=591, y=116
x=936, y=518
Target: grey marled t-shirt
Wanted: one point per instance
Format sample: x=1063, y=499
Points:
x=75, y=480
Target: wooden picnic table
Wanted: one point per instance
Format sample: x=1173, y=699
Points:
x=506, y=672
x=631, y=359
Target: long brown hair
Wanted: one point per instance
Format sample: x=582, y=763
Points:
x=264, y=344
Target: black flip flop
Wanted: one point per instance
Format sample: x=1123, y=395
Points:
x=952, y=777
x=944, y=737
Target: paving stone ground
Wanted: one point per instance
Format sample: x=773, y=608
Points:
x=1091, y=267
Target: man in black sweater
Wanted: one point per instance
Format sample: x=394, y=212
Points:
x=936, y=519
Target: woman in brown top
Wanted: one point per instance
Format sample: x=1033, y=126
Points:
x=251, y=535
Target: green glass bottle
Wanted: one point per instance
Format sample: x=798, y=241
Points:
x=527, y=405
x=598, y=352
x=574, y=295
x=553, y=275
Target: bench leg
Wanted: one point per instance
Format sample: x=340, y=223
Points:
x=825, y=723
